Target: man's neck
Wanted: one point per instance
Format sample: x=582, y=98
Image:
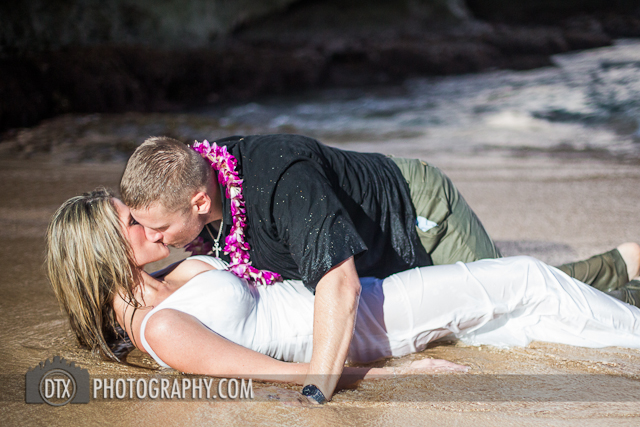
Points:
x=215, y=194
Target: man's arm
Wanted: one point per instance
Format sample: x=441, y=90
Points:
x=335, y=309
x=322, y=240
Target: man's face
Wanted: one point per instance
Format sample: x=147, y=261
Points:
x=144, y=251
x=171, y=228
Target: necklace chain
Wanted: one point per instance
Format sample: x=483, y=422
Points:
x=216, y=245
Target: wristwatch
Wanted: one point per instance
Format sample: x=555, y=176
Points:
x=314, y=392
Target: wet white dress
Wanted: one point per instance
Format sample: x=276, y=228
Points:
x=500, y=302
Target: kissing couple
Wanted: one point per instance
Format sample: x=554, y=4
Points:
x=321, y=256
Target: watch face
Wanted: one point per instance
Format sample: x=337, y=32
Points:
x=314, y=393
x=308, y=390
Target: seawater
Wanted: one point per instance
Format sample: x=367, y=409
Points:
x=588, y=102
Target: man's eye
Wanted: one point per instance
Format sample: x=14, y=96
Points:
x=133, y=222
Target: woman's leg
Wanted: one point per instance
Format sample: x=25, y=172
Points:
x=508, y=301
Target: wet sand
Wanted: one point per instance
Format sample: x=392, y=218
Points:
x=556, y=209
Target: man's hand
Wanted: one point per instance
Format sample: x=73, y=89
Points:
x=335, y=309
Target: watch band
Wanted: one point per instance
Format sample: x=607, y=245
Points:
x=314, y=392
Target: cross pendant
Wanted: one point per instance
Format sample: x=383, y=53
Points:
x=217, y=249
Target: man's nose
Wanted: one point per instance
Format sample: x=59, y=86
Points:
x=153, y=235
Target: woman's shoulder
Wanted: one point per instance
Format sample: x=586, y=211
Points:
x=203, y=278
x=214, y=262
x=186, y=271
x=193, y=266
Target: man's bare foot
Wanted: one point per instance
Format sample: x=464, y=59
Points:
x=631, y=255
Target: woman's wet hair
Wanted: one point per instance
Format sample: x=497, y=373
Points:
x=89, y=262
x=119, y=343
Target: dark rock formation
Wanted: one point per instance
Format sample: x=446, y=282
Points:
x=38, y=25
x=314, y=43
x=547, y=11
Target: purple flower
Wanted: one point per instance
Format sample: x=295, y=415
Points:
x=225, y=164
x=199, y=247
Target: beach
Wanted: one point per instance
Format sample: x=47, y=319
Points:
x=555, y=209
x=548, y=159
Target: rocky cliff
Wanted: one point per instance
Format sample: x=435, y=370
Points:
x=60, y=56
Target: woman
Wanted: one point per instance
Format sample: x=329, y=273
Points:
x=197, y=319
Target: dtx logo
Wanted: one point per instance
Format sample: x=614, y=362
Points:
x=57, y=383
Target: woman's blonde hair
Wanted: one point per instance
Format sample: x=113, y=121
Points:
x=89, y=262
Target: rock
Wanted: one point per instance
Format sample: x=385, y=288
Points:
x=120, y=56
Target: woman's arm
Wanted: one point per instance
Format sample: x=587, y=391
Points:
x=186, y=345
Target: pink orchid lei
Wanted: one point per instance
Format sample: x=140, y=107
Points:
x=199, y=246
x=225, y=164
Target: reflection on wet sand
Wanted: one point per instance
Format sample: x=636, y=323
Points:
x=570, y=208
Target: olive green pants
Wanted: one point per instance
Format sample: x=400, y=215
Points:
x=460, y=236
x=608, y=273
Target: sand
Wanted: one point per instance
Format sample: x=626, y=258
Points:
x=558, y=209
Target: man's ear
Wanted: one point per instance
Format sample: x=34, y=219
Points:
x=201, y=203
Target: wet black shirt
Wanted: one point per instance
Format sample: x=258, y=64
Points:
x=310, y=207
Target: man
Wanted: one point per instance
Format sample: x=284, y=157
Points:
x=315, y=213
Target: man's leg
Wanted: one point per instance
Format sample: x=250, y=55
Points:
x=610, y=272
x=605, y=272
x=459, y=235
x=629, y=293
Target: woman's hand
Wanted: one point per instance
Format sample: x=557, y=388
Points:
x=428, y=366
x=353, y=375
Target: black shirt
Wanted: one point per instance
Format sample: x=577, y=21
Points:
x=310, y=207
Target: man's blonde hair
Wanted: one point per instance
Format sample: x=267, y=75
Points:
x=163, y=171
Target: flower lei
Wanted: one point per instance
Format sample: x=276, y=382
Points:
x=225, y=164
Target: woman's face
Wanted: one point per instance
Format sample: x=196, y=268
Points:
x=144, y=250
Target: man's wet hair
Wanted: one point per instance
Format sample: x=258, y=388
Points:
x=163, y=171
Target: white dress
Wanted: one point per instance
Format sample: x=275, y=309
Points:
x=500, y=302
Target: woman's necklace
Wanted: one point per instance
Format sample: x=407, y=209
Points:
x=216, y=245
x=235, y=245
